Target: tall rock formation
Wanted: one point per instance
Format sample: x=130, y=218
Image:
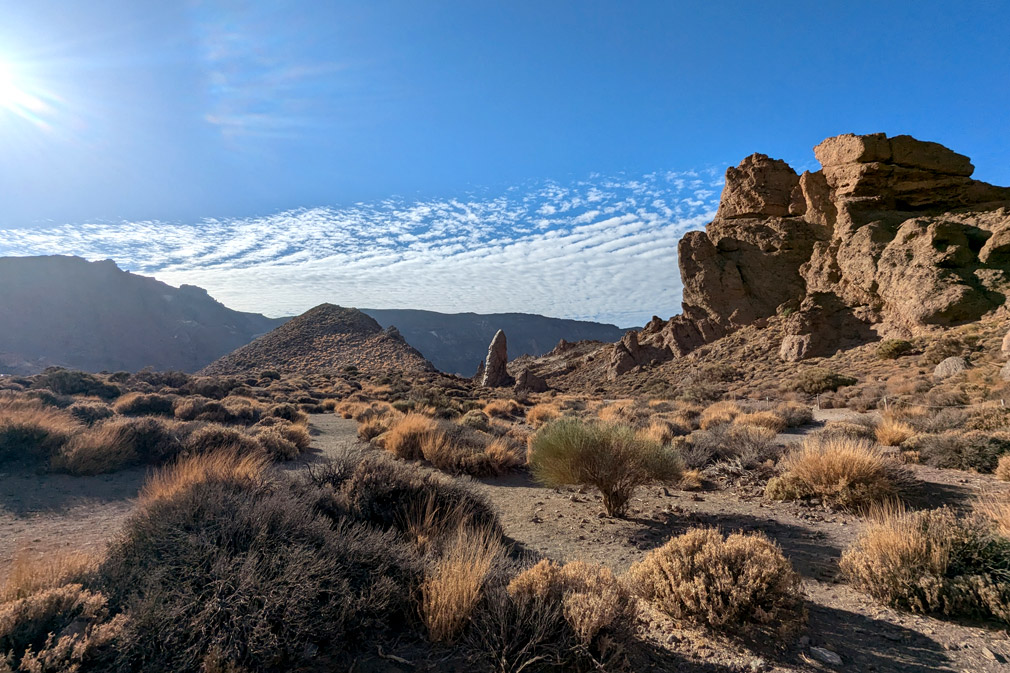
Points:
x=495, y=374
x=891, y=238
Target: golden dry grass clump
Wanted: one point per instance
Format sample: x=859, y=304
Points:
x=934, y=561
x=31, y=431
x=996, y=507
x=892, y=431
x=542, y=413
x=503, y=408
x=736, y=584
x=1002, y=471
x=718, y=414
x=762, y=419
x=611, y=458
x=214, y=467
x=454, y=583
x=28, y=575
x=660, y=431
x=451, y=447
x=630, y=412
x=405, y=436
x=593, y=600
x=120, y=442
x=842, y=472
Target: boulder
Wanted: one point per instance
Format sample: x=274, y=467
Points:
x=1004, y=372
x=952, y=366
x=759, y=186
x=495, y=374
x=529, y=382
x=795, y=347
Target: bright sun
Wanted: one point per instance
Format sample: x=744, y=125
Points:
x=9, y=91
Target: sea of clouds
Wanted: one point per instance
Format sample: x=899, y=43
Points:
x=599, y=249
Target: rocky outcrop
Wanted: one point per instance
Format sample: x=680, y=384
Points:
x=891, y=238
x=495, y=373
x=1005, y=349
x=529, y=382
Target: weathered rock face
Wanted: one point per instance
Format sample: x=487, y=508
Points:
x=529, y=382
x=495, y=374
x=891, y=238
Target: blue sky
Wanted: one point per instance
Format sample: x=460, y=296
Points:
x=393, y=154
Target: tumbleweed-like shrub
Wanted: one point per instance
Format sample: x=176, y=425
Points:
x=610, y=458
x=741, y=583
x=933, y=561
x=845, y=473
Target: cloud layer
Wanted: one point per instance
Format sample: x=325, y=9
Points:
x=600, y=249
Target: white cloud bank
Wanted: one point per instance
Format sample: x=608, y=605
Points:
x=604, y=249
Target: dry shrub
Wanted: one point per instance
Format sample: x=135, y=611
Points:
x=276, y=445
x=144, y=404
x=847, y=430
x=119, y=443
x=592, y=599
x=375, y=426
x=718, y=414
x=27, y=623
x=762, y=419
x=505, y=453
x=955, y=449
x=746, y=445
x=503, y=408
x=891, y=431
x=624, y=411
x=934, y=561
x=610, y=458
x=406, y=435
x=453, y=585
x=691, y=480
x=660, y=431
x=32, y=431
x=540, y=414
x=387, y=494
x=29, y=576
x=213, y=437
x=216, y=467
x=475, y=419
x=288, y=412
x=996, y=506
x=738, y=584
x=989, y=418
x=1002, y=471
x=278, y=584
x=842, y=472
x=816, y=380
x=90, y=413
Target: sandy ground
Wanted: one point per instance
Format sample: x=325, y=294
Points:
x=41, y=513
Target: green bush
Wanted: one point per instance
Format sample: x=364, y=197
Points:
x=892, y=349
x=816, y=380
x=610, y=458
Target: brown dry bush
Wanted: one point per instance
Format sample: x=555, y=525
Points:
x=29, y=576
x=288, y=412
x=460, y=450
x=217, y=467
x=214, y=437
x=144, y=404
x=762, y=419
x=608, y=457
x=32, y=431
x=660, y=431
x=454, y=583
x=934, y=561
x=630, y=412
x=540, y=414
x=279, y=584
x=746, y=445
x=973, y=450
x=90, y=413
x=118, y=443
x=375, y=426
x=475, y=419
x=593, y=601
x=892, y=431
x=503, y=408
x=847, y=430
x=841, y=472
x=405, y=437
x=737, y=584
x=796, y=414
x=1002, y=471
x=718, y=414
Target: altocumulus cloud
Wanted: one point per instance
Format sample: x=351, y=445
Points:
x=601, y=249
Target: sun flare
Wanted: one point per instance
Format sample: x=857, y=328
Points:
x=10, y=92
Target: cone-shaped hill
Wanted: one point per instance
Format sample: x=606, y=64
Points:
x=325, y=337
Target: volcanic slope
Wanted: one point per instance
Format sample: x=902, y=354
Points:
x=325, y=337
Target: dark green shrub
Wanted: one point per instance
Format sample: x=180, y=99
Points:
x=892, y=349
x=816, y=380
x=610, y=458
